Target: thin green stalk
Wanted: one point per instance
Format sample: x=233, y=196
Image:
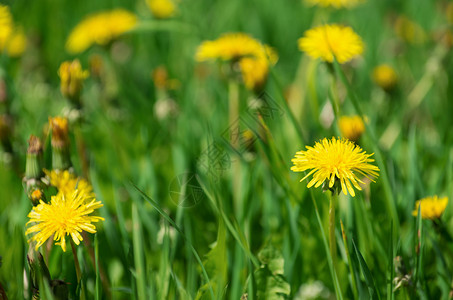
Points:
x=333, y=272
x=98, y=277
x=333, y=199
x=139, y=260
x=78, y=270
x=355, y=291
x=233, y=106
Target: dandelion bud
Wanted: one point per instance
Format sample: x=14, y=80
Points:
x=60, y=143
x=72, y=77
x=162, y=9
x=351, y=128
x=385, y=77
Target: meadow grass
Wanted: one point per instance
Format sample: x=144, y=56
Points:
x=187, y=216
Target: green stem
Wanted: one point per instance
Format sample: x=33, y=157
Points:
x=351, y=269
x=78, y=270
x=233, y=101
x=332, y=245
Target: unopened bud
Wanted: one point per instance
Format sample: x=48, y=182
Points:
x=72, y=77
x=60, y=143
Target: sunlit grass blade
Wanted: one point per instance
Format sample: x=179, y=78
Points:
x=333, y=273
x=352, y=273
x=139, y=256
x=169, y=220
x=98, y=276
x=373, y=291
x=390, y=268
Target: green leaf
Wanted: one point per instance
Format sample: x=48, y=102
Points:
x=374, y=293
x=270, y=282
x=216, y=266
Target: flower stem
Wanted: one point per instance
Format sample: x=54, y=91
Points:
x=332, y=244
x=233, y=99
x=78, y=270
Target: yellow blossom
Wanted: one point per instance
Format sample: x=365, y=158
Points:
x=71, y=78
x=162, y=9
x=337, y=161
x=329, y=41
x=67, y=214
x=335, y=3
x=385, y=77
x=60, y=132
x=100, y=28
x=431, y=207
x=66, y=182
x=351, y=127
x=252, y=57
x=12, y=38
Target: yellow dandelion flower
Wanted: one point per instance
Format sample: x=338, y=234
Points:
x=253, y=57
x=100, y=28
x=71, y=77
x=385, y=77
x=337, y=161
x=335, y=3
x=162, y=9
x=66, y=182
x=329, y=41
x=12, y=38
x=351, y=128
x=230, y=46
x=60, y=132
x=431, y=207
x=67, y=214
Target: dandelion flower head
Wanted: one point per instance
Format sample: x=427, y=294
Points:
x=335, y=160
x=252, y=56
x=335, y=3
x=385, y=77
x=12, y=38
x=100, y=28
x=431, y=207
x=66, y=214
x=329, y=41
x=60, y=131
x=352, y=127
x=66, y=182
x=162, y=9
x=71, y=78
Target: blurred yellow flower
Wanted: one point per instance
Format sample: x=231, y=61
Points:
x=230, y=46
x=351, y=128
x=162, y=9
x=431, y=207
x=254, y=69
x=331, y=40
x=100, y=28
x=335, y=3
x=67, y=214
x=66, y=182
x=60, y=132
x=385, y=77
x=12, y=38
x=338, y=161
x=252, y=57
x=71, y=78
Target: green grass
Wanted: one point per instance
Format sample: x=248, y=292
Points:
x=249, y=227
